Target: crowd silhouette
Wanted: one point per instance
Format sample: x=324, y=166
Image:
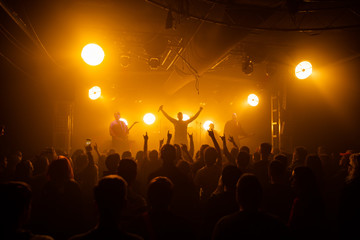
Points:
x=179, y=192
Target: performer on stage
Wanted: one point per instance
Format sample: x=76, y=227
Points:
x=119, y=132
x=234, y=129
x=180, y=125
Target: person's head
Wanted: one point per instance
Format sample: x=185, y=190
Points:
x=299, y=154
x=117, y=116
x=230, y=175
x=243, y=160
x=160, y=193
x=24, y=171
x=168, y=154
x=234, y=117
x=112, y=162
x=154, y=155
x=202, y=151
x=126, y=155
x=139, y=156
x=127, y=169
x=265, y=149
x=210, y=156
x=345, y=158
x=180, y=116
x=110, y=197
x=245, y=149
x=41, y=164
x=60, y=170
x=15, y=202
x=282, y=158
x=248, y=192
x=276, y=171
x=303, y=181
x=184, y=167
x=354, y=167
x=234, y=152
x=80, y=162
x=314, y=163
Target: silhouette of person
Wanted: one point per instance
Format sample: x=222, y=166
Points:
x=119, y=132
x=110, y=197
x=234, y=129
x=180, y=125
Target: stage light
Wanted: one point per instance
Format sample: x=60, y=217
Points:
x=124, y=60
x=247, y=65
x=94, y=93
x=154, y=63
x=253, y=100
x=185, y=117
x=206, y=125
x=303, y=70
x=149, y=118
x=124, y=120
x=92, y=54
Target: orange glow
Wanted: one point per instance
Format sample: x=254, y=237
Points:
x=92, y=54
x=185, y=117
x=94, y=93
x=303, y=70
x=253, y=100
x=149, y=118
x=206, y=125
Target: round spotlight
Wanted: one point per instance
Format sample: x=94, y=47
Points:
x=206, y=124
x=154, y=63
x=92, y=54
x=253, y=100
x=124, y=120
x=303, y=70
x=149, y=118
x=94, y=93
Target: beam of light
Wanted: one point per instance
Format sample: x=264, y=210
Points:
x=303, y=70
x=92, y=54
x=149, y=118
x=94, y=93
x=124, y=120
x=206, y=124
x=253, y=100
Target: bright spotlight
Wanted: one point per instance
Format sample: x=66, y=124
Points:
x=253, y=100
x=185, y=117
x=94, y=93
x=206, y=125
x=149, y=118
x=124, y=120
x=92, y=54
x=303, y=70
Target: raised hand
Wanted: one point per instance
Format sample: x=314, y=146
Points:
x=161, y=142
x=95, y=147
x=231, y=139
x=184, y=147
x=223, y=138
x=211, y=133
x=190, y=135
x=169, y=135
x=146, y=137
x=161, y=108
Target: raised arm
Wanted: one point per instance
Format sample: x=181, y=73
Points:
x=192, y=148
x=195, y=116
x=169, y=136
x=229, y=157
x=146, y=138
x=231, y=139
x=173, y=120
x=217, y=147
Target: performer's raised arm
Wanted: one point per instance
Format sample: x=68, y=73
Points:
x=195, y=116
x=173, y=120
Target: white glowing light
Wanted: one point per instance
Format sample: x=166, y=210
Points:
x=149, y=118
x=124, y=120
x=92, y=54
x=303, y=70
x=94, y=93
x=185, y=117
x=206, y=125
x=253, y=100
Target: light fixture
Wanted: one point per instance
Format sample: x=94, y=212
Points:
x=154, y=63
x=247, y=65
x=303, y=70
x=253, y=100
x=149, y=118
x=124, y=60
x=206, y=124
x=94, y=93
x=92, y=54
